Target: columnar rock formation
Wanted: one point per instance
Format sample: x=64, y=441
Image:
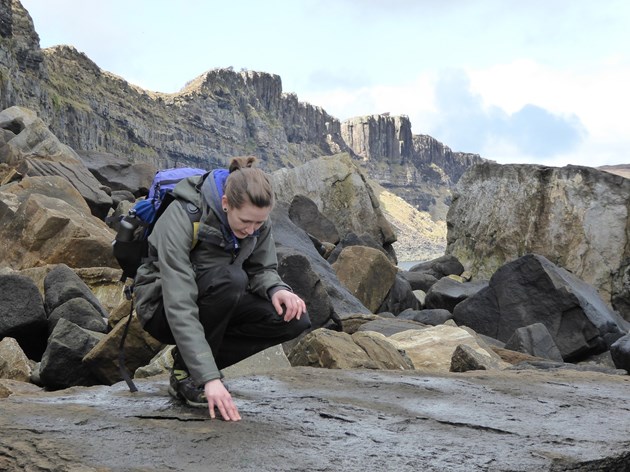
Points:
x=217, y=115
x=417, y=168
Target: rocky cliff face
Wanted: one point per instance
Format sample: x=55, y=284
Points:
x=417, y=168
x=219, y=114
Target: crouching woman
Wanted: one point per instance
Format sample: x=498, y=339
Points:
x=222, y=301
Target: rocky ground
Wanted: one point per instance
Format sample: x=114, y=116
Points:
x=300, y=419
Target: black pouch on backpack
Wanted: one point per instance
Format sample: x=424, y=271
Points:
x=129, y=247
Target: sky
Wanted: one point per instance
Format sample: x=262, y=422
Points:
x=537, y=81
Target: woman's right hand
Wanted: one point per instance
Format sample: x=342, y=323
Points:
x=218, y=397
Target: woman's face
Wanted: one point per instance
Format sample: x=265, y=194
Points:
x=246, y=220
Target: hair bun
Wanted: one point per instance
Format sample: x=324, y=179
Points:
x=241, y=162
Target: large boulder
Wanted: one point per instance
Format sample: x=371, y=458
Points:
x=103, y=282
x=367, y=273
x=63, y=284
x=22, y=314
x=432, y=349
x=577, y=217
x=118, y=173
x=290, y=239
x=330, y=349
x=80, y=312
x=536, y=341
x=44, y=220
x=304, y=213
x=62, y=364
x=334, y=350
x=533, y=290
x=447, y=292
x=399, y=298
x=138, y=349
x=296, y=270
x=35, y=151
x=340, y=190
x=439, y=267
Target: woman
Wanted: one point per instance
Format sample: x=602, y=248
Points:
x=223, y=300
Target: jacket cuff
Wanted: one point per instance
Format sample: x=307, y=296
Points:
x=277, y=288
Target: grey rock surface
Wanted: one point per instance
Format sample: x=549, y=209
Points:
x=318, y=419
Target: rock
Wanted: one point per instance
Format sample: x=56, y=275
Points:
x=272, y=359
x=535, y=340
x=533, y=290
x=419, y=280
x=413, y=166
x=352, y=239
x=80, y=312
x=431, y=349
x=399, y=298
x=63, y=284
x=501, y=212
x=465, y=358
x=488, y=420
x=62, y=365
x=139, y=349
x=433, y=317
x=14, y=364
x=338, y=188
x=22, y=314
x=514, y=357
x=39, y=225
x=603, y=360
x=352, y=323
x=381, y=351
x=620, y=352
x=367, y=274
x=304, y=213
x=296, y=270
x=421, y=297
x=35, y=139
x=330, y=349
x=118, y=173
x=103, y=282
x=289, y=236
x=440, y=267
x=162, y=363
x=447, y=292
x=390, y=326
x=121, y=196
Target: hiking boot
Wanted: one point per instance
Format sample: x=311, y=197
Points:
x=182, y=387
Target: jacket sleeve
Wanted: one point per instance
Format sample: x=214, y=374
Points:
x=262, y=265
x=172, y=238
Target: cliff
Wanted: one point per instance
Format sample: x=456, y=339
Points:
x=217, y=115
x=417, y=168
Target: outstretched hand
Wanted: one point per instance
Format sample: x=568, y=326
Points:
x=218, y=397
x=294, y=305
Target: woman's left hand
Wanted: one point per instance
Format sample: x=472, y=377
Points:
x=294, y=305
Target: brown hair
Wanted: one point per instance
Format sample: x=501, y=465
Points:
x=246, y=183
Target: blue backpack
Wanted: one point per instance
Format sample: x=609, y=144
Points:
x=130, y=246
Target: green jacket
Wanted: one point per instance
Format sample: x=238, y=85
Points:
x=172, y=276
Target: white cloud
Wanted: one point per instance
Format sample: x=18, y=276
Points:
x=597, y=95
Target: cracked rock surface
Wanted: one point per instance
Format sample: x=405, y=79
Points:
x=301, y=419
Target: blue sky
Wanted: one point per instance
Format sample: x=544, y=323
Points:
x=531, y=82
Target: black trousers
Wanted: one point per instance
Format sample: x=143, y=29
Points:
x=237, y=323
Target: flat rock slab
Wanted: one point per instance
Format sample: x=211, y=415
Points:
x=311, y=419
